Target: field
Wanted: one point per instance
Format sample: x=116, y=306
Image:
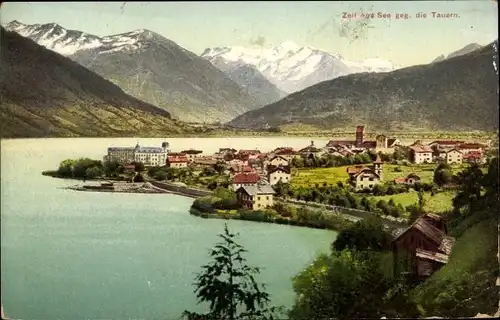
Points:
x=438, y=203
x=309, y=177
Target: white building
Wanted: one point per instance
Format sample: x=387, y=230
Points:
x=122, y=155
x=277, y=174
x=421, y=154
x=149, y=156
x=452, y=156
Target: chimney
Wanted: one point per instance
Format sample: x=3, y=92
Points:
x=359, y=135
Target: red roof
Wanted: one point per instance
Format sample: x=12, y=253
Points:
x=368, y=144
x=339, y=143
x=421, y=149
x=246, y=178
x=471, y=146
x=177, y=159
x=401, y=180
x=447, y=142
x=473, y=155
x=246, y=151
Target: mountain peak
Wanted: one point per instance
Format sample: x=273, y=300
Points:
x=14, y=24
x=288, y=45
x=291, y=67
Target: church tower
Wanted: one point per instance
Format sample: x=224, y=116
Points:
x=378, y=167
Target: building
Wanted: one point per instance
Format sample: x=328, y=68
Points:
x=366, y=177
x=122, y=155
x=474, y=157
x=204, y=162
x=423, y=248
x=410, y=179
x=177, y=161
x=285, y=152
x=129, y=168
x=420, y=153
x=446, y=144
x=192, y=154
x=237, y=162
x=471, y=147
x=244, y=179
x=235, y=169
x=248, y=152
x=276, y=161
x=310, y=151
x=149, y=156
x=276, y=174
x=255, y=197
x=386, y=145
x=359, y=136
x=451, y=156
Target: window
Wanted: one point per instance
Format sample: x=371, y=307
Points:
x=275, y=177
x=258, y=198
x=258, y=205
x=370, y=186
x=267, y=198
x=371, y=179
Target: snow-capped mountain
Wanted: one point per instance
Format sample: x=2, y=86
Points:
x=68, y=42
x=251, y=79
x=151, y=68
x=292, y=67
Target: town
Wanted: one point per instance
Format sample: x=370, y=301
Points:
x=249, y=170
x=315, y=186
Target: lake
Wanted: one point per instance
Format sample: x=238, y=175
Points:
x=82, y=255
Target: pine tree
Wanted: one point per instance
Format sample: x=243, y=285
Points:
x=228, y=285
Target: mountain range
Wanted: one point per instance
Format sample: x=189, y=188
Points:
x=44, y=94
x=151, y=68
x=459, y=93
x=467, y=49
x=291, y=67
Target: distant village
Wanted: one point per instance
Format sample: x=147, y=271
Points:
x=254, y=173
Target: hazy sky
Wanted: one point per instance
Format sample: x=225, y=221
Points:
x=198, y=25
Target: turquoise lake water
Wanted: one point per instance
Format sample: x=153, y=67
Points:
x=81, y=255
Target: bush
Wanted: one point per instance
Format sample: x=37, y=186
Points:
x=256, y=215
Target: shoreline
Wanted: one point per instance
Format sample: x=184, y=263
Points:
x=131, y=191
x=342, y=223
x=297, y=134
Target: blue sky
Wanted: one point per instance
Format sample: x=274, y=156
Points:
x=198, y=25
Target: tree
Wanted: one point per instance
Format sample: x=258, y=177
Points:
x=365, y=234
x=138, y=178
x=442, y=174
x=470, y=183
x=66, y=168
x=93, y=172
x=340, y=286
x=229, y=286
x=220, y=167
x=110, y=167
x=139, y=166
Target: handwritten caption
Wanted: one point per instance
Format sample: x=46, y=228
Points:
x=398, y=16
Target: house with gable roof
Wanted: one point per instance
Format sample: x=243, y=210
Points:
x=423, y=248
x=243, y=179
x=278, y=173
x=366, y=177
x=256, y=197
